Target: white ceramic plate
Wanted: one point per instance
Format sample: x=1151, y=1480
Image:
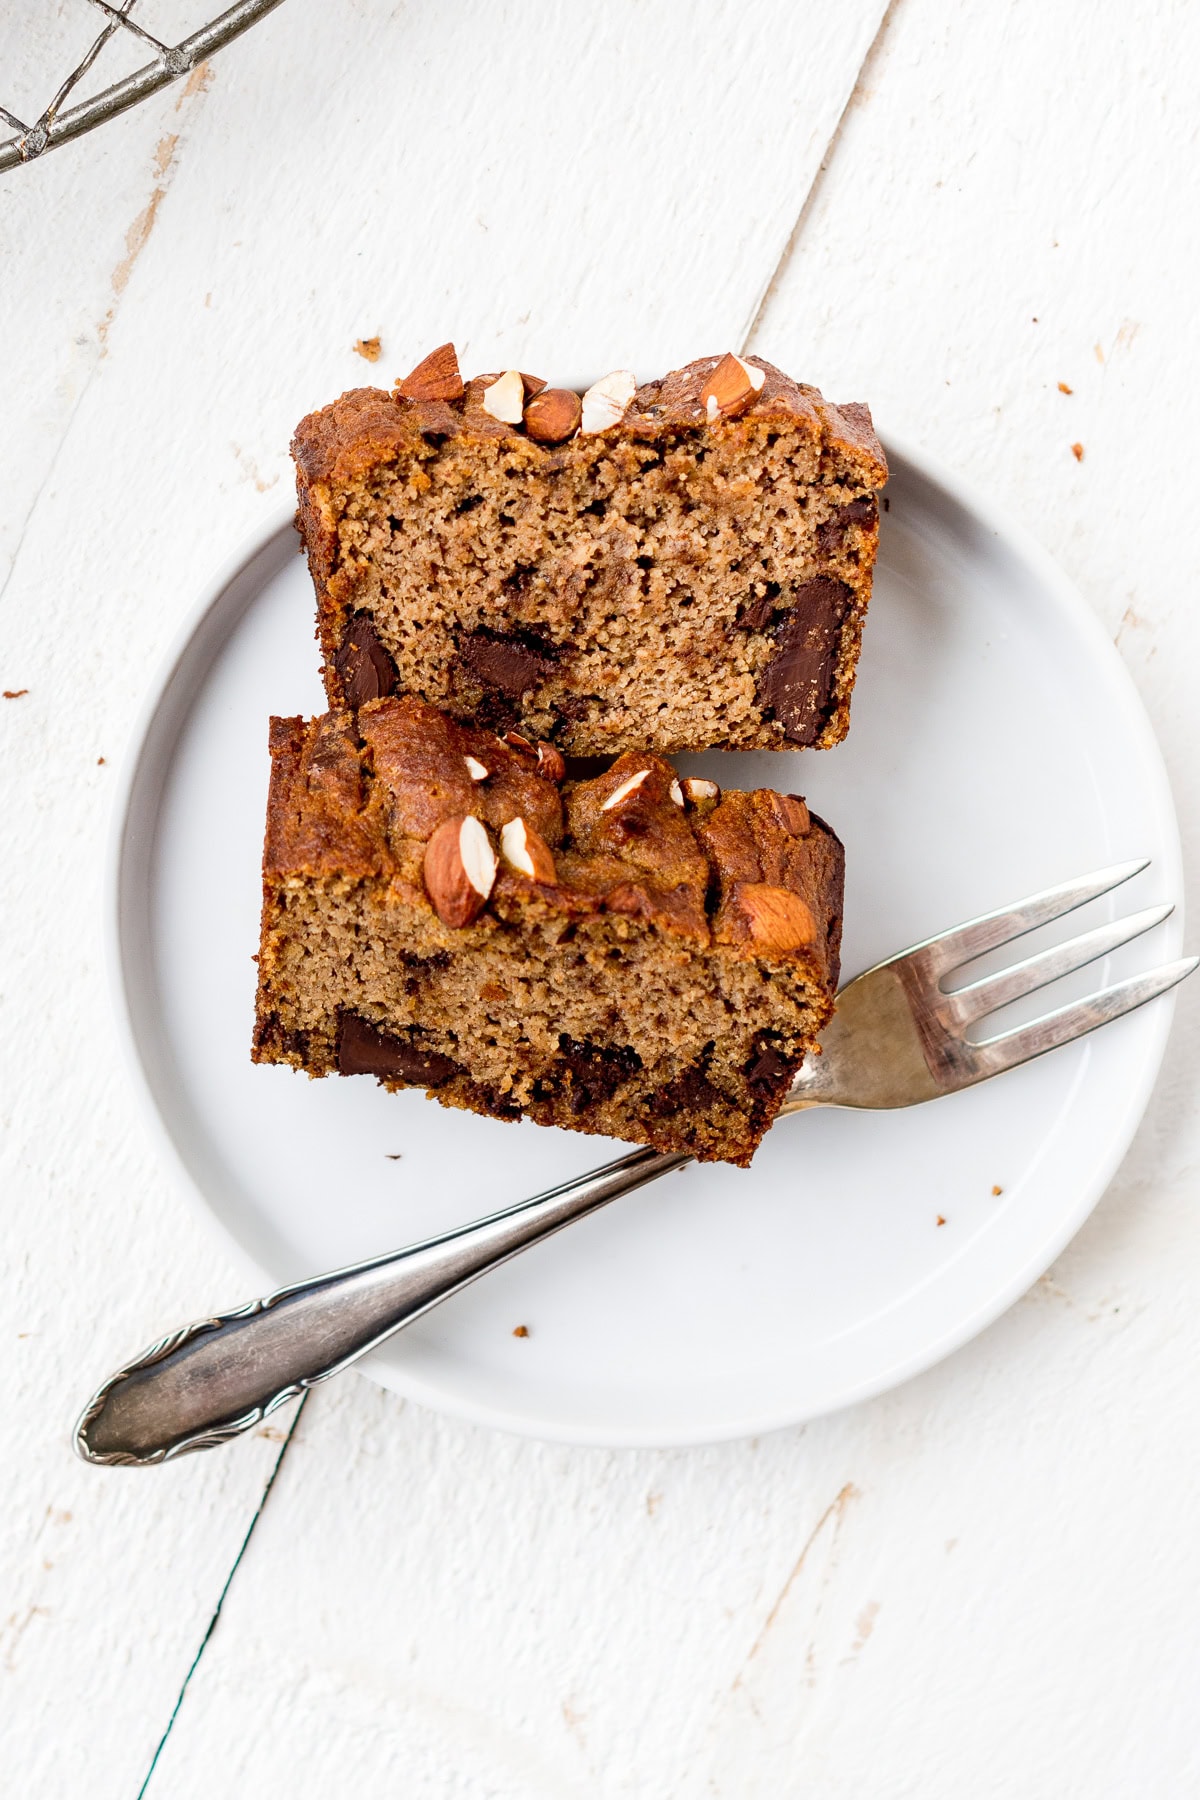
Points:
x=997, y=746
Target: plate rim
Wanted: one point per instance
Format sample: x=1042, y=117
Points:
x=256, y=542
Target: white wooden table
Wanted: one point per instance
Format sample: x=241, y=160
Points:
x=983, y=1584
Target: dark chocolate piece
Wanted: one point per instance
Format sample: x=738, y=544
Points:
x=862, y=511
x=596, y=1070
x=270, y=1033
x=691, y=1091
x=765, y=1068
x=512, y=664
x=364, y=668
x=364, y=1050
x=797, y=684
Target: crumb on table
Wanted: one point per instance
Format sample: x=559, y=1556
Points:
x=1064, y=389
x=520, y=1331
x=14, y=693
x=370, y=348
x=997, y=1191
x=941, y=1219
x=1077, y=452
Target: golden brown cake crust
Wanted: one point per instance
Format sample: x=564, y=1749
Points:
x=360, y=797
x=532, y=614
x=367, y=426
x=652, y=884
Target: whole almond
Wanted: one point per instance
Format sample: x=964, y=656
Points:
x=459, y=870
x=605, y=402
x=774, y=919
x=527, y=850
x=533, y=385
x=550, y=763
x=553, y=417
x=505, y=398
x=435, y=378
x=791, y=813
x=730, y=388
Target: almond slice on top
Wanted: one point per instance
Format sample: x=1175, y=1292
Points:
x=605, y=402
x=698, y=787
x=459, y=870
x=730, y=388
x=527, y=851
x=505, y=398
x=623, y=792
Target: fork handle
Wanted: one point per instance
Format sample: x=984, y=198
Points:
x=216, y=1378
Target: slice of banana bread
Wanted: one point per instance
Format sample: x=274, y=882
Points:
x=632, y=954
x=681, y=566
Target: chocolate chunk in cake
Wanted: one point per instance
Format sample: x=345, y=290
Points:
x=683, y=565
x=628, y=953
x=797, y=684
x=365, y=671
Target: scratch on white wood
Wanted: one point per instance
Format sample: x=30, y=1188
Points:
x=283, y=1438
x=31, y=307
x=784, y=1684
x=854, y=97
x=831, y=1516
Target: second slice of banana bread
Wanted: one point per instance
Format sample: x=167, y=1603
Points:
x=632, y=954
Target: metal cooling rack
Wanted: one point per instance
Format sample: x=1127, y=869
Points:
x=167, y=63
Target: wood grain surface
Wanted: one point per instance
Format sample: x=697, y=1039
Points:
x=984, y=221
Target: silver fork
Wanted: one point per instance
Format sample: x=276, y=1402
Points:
x=898, y=1038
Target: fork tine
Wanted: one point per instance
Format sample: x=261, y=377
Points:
x=998, y=1054
x=965, y=1005
x=963, y=942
